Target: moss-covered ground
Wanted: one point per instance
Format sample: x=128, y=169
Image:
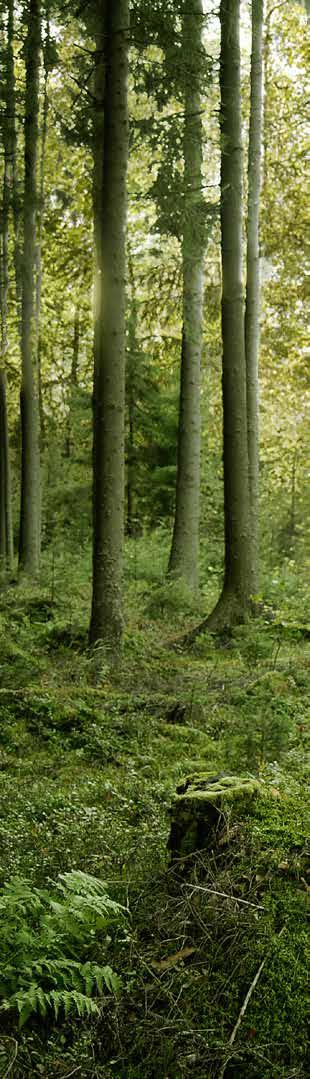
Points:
x=89, y=764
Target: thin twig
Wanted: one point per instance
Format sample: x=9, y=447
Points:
x=223, y=895
x=68, y=1074
x=245, y=1004
x=15, y=1051
x=246, y=1001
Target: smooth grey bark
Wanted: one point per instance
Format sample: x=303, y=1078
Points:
x=6, y=530
x=30, y=513
x=253, y=304
x=184, y=555
x=106, y=624
x=235, y=597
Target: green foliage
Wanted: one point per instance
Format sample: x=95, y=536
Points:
x=257, y=642
x=171, y=598
x=45, y=939
x=260, y=726
x=87, y=778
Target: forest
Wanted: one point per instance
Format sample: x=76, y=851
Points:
x=154, y=630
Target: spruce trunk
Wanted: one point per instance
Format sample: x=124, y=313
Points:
x=252, y=307
x=235, y=597
x=73, y=379
x=109, y=367
x=29, y=540
x=6, y=530
x=184, y=554
x=40, y=217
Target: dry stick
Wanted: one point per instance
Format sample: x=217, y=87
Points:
x=245, y=1004
x=68, y=1074
x=241, y=1013
x=13, y=1058
x=246, y=1001
x=224, y=895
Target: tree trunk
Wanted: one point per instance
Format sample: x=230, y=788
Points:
x=132, y=379
x=185, y=541
x=109, y=367
x=40, y=215
x=252, y=307
x=73, y=376
x=29, y=540
x=130, y=521
x=235, y=598
x=6, y=531
x=12, y=139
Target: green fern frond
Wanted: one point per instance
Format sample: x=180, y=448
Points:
x=72, y=1002
x=84, y=884
x=43, y=943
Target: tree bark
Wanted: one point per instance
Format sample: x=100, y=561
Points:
x=235, y=598
x=184, y=555
x=6, y=530
x=40, y=216
x=73, y=377
x=11, y=128
x=132, y=378
x=109, y=362
x=30, y=513
x=252, y=307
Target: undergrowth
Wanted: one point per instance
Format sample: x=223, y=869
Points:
x=87, y=776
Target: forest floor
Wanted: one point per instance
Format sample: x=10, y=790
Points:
x=88, y=772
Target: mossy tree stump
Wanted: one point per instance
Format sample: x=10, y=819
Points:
x=206, y=805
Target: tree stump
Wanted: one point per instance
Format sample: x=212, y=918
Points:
x=204, y=806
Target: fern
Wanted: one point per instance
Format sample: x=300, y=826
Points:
x=45, y=941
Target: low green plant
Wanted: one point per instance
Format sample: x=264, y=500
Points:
x=47, y=940
x=171, y=597
x=256, y=643
x=259, y=727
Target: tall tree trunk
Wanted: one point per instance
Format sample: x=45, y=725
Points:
x=132, y=377
x=184, y=554
x=29, y=540
x=252, y=307
x=73, y=375
x=40, y=215
x=11, y=124
x=6, y=531
x=75, y=348
x=109, y=367
x=235, y=598
x=130, y=521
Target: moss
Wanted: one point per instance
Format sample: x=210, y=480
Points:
x=203, y=785
x=202, y=803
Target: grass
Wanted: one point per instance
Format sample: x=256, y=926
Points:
x=87, y=779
